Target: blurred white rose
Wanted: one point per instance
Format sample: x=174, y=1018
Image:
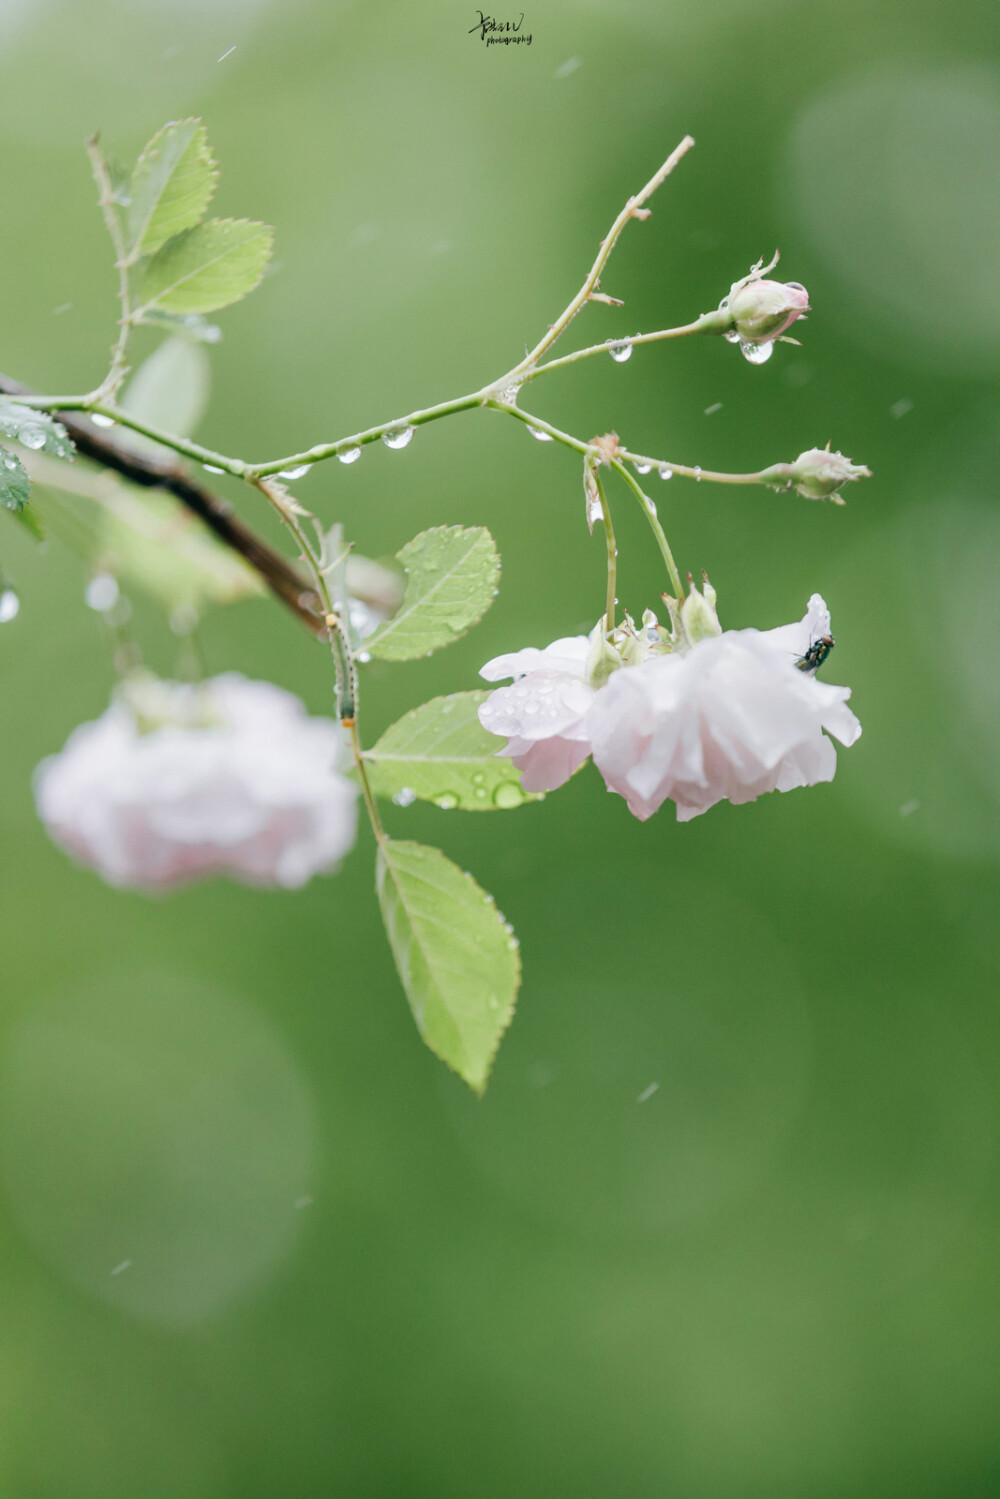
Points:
x=175, y=783
x=542, y=715
x=728, y=719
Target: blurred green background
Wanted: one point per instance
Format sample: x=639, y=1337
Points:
x=772, y=1278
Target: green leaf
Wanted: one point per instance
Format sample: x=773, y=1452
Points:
x=15, y=486
x=441, y=753
x=210, y=266
x=456, y=957
x=451, y=582
x=170, y=188
x=35, y=430
x=169, y=390
x=150, y=540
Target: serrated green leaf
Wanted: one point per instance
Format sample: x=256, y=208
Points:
x=457, y=959
x=150, y=540
x=35, y=430
x=170, y=187
x=451, y=582
x=15, y=486
x=207, y=267
x=169, y=390
x=441, y=753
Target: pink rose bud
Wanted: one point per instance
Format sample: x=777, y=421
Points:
x=762, y=310
x=820, y=474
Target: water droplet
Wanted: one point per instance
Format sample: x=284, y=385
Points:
x=349, y=455
x=9, y=605
x=732, y=337
x=405, y=796
x=31, y=436
x=697, y=474
x=102, y=592
x=509, y=395
x=508, y=794
x=295, y=473
x=480, y=793
x=210, y=468
x=665, y=472
x=756, y=353
x=643, y=468
x=364, y=657
x=101, y=421
x=447, y=801
x=651, y=505
x=399, y=437
x=620, y=350
x=478, y=779
x=539, y=435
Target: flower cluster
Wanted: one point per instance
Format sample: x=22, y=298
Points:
x=175, y=783
x=697, y=717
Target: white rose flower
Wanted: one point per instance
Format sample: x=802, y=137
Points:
x=728, y=719
x=175, y=783
x=542, y=715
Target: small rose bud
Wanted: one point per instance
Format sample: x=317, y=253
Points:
x=698, y=617
x=818, y=474
x=762, y=310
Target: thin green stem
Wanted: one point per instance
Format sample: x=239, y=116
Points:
x=345, y=671
x=119, y=354
x=649, y=510
x=537, y=424
x=371, y=805
x=633, y=209
x=370, y=434
x=778, y=475
x=703, y=324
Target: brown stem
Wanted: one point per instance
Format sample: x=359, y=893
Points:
x=106, y=448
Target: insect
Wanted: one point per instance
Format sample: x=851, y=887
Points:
x=816, y=654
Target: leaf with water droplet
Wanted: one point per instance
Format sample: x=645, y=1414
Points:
x=170, y=187
x=35, y=430
x=441, y=750
x=15, y=486
x=453, y=954
x=207, y=267
x=450, y=584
